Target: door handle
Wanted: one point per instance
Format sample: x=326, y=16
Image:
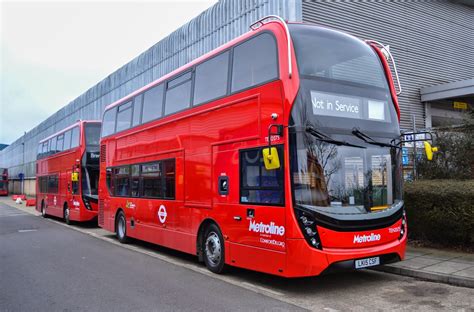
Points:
x=237, y=218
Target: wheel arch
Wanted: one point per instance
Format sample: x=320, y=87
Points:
x=200, y=234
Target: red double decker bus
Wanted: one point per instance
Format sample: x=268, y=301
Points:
x=3, y=182
x=67, y=173
x=277, y=152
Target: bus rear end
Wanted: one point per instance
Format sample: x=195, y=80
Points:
x=345, y=160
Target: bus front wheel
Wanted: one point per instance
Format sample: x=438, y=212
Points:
x=121, y=228
x=213, y=249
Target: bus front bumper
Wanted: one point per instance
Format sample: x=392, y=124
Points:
x=309, y=261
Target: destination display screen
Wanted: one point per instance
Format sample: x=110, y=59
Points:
x=336, y=105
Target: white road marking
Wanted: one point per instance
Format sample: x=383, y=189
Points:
x=25, y=231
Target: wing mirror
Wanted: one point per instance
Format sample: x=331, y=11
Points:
x=429, y=150
x=270, y=154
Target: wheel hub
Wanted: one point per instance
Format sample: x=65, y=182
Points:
x=213, y=248
x=121, y=227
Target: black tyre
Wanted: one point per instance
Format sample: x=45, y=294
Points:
x=121, y=228
x=213, y=249
x=66, y=214
x=43, y=210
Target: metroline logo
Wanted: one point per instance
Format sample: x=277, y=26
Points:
x=266, y=228
x=366, y=238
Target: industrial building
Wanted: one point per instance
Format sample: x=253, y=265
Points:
x=432, y=42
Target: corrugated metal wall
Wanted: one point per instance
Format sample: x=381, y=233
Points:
x=222, y=22
x=432, y=41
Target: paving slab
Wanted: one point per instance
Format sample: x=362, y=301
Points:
x=448, y=267
x=418, y=262
x=443, y=266
x=469, y=272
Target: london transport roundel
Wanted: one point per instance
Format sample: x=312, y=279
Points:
x=162, y=214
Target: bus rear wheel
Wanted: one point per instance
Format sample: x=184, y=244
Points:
x=213, y=249
x=66, y=214
x=121, y=228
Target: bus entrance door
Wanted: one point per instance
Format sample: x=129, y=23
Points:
x=256, y=220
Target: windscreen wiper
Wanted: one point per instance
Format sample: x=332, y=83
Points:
x=367, y=139
x=326, y=138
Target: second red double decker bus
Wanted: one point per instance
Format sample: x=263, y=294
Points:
x=67, y=172
x=276, y=152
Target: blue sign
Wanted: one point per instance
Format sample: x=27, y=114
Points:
x=404, y=160
x=21, y=176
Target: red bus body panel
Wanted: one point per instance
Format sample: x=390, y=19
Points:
x=205, y=142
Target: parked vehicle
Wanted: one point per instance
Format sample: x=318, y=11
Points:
x=67, y=172
x=277, y=152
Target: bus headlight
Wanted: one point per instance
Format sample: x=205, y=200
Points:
x=403, y=227
x=307, y=224
x=86, y=203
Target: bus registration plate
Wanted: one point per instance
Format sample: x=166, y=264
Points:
x=368, y=262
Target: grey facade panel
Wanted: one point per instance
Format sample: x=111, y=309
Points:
x=431, y=41
x=217, y=25
x=448, y=90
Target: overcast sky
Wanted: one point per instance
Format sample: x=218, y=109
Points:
x=51, y=52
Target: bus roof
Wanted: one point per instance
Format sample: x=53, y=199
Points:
x=267, y=26
x=69, y=127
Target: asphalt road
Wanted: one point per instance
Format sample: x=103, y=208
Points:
x=47, y=266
